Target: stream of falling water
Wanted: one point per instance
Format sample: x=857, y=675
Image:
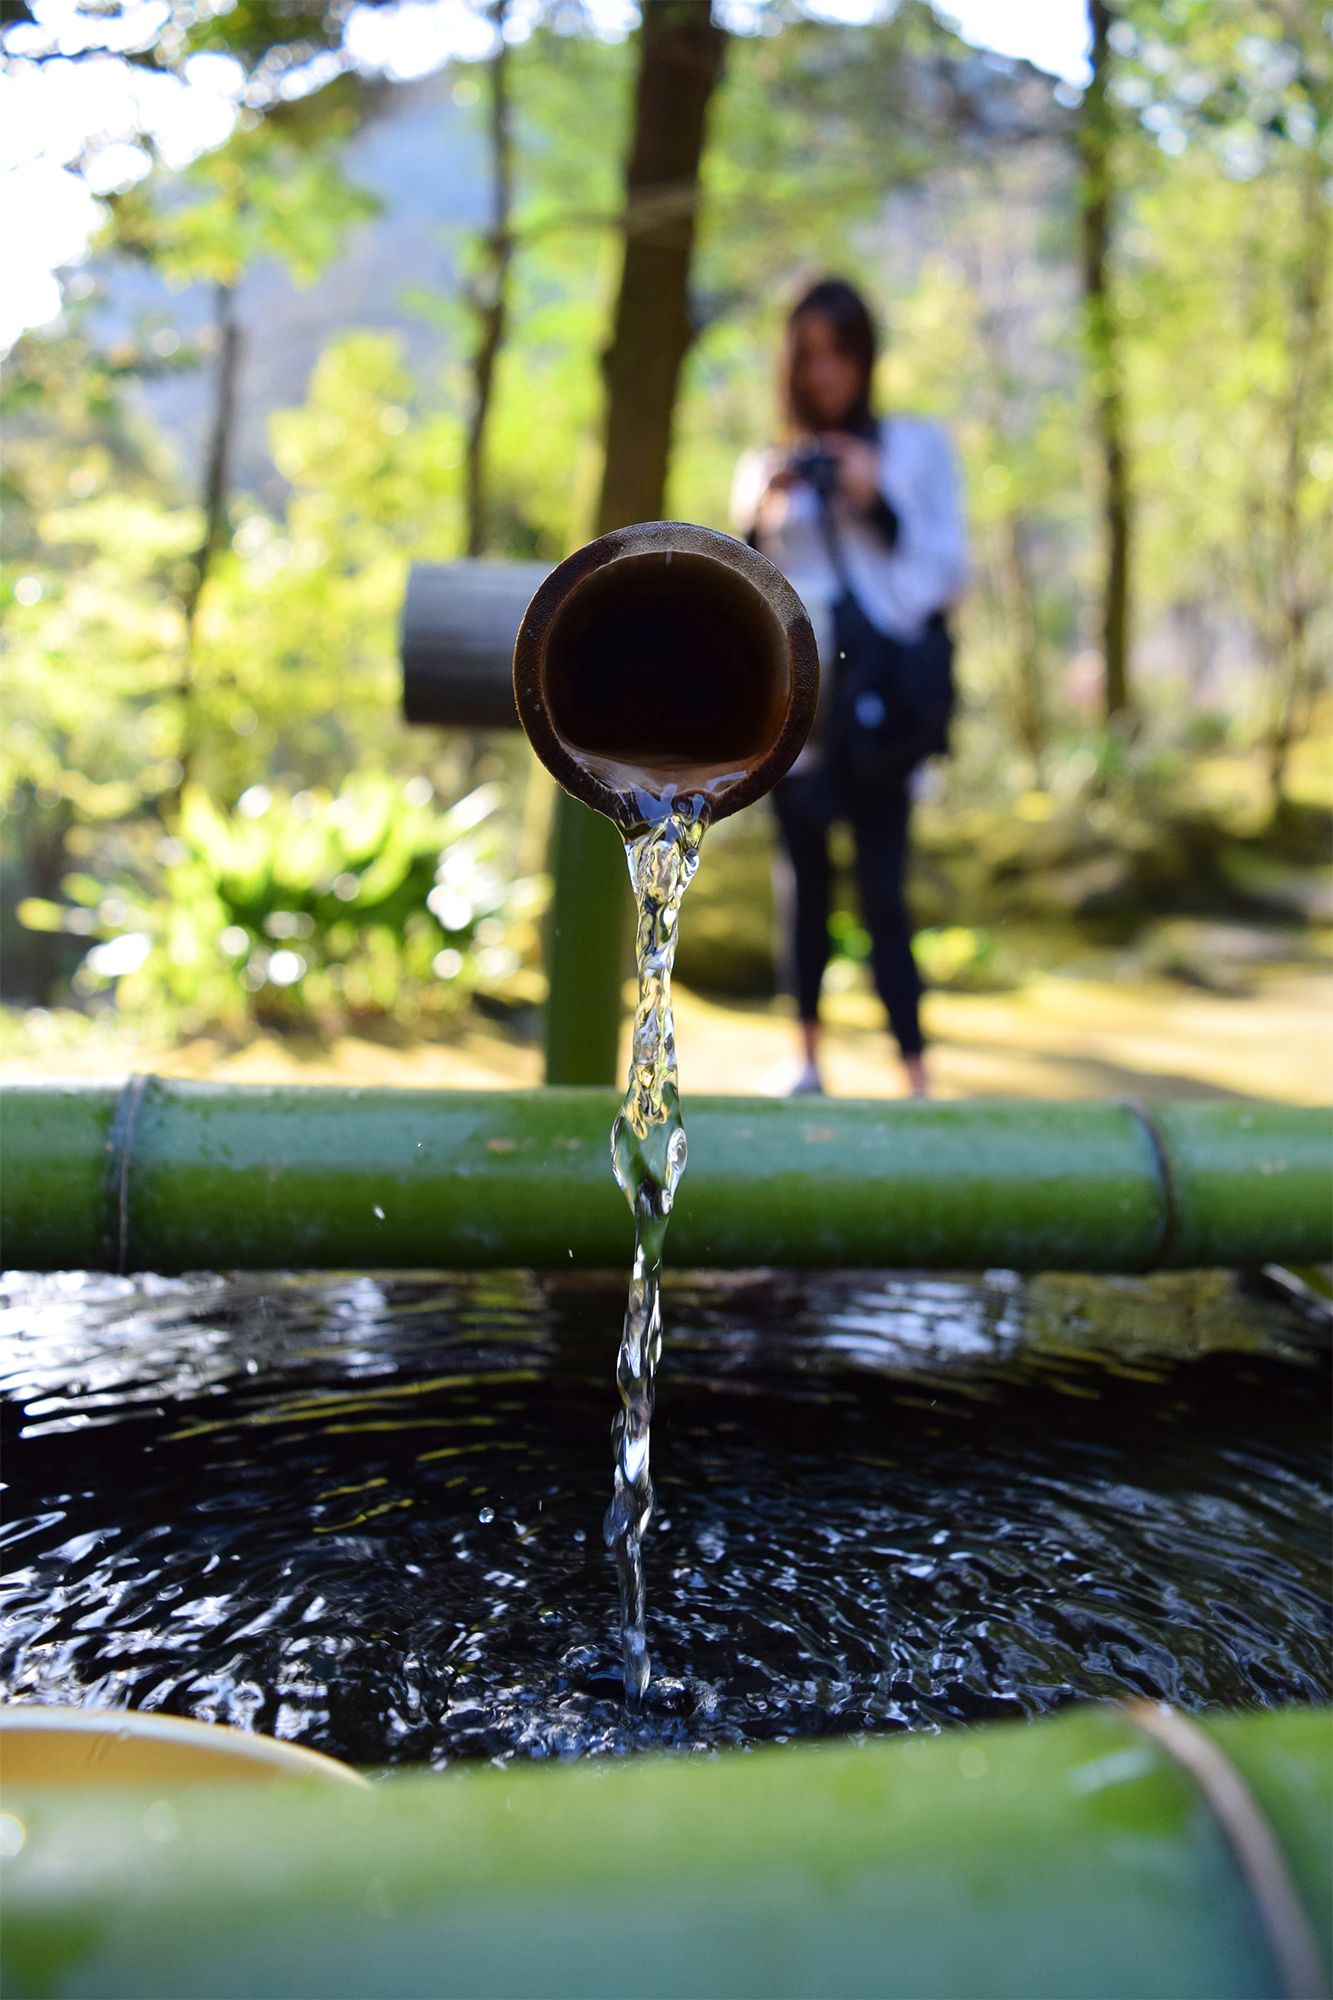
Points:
x=648, y=1155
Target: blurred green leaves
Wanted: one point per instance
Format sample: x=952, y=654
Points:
x=274, y=190
x=310, y=910
x=938, y=175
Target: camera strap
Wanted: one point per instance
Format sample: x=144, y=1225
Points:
x=828, y=529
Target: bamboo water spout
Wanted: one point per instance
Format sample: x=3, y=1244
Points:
x=699, y=635
x=666, y=676
x=665, y=660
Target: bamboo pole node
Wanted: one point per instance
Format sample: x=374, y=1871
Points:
x=121, y=1148
x=1254, y=1845
x=1169, y=1204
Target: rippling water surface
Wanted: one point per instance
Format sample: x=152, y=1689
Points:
x=366, y=1515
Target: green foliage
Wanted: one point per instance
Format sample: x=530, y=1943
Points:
x=544, y=434
x=294, y=686
x=876, y=150
x=94, y=631
x=956, y=956
x=273, y=40
x=311, y=689
x=313, y=910
x=276, y=189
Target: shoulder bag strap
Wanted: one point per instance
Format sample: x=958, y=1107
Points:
x=832, y=540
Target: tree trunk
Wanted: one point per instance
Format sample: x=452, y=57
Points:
x=680, y=64
x=490, y=299
x=1016, y=585
x=213, y=499
x=36, y=971
x=1096, y=136
x=1031, y=707
x=680, y=61
x=1298, y=580
x=217, y=474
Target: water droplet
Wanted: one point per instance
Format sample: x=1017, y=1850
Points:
x=377, y=1212
x=486, y=1515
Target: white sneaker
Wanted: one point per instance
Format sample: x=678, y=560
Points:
x=795, y=1080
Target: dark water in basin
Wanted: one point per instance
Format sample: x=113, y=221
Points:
x=367, y=1515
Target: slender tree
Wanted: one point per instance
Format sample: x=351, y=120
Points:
x=681, y=49
x=1299, y=582
x=215, y=488
x=1015, y=568
x=275, y=189
x=488, y=295
x=1029, y=691
x=1096, y=134
x=680, y=66
x=214, y=498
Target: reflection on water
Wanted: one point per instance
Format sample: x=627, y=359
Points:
x=365, y=1515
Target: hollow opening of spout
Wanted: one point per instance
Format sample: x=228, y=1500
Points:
x=667, y=669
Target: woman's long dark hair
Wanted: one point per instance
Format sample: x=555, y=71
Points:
x=838, y=302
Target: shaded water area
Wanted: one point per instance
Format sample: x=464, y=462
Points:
x=366, y=1515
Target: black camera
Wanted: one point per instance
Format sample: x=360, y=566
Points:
x=818, y=468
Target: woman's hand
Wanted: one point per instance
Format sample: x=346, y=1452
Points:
x=774, y=501
x=858, y=467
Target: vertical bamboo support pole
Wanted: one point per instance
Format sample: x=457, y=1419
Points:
x=585, y=944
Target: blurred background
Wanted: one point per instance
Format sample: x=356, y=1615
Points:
x=300, y=294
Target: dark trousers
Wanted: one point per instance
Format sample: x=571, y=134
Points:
x=880, y=832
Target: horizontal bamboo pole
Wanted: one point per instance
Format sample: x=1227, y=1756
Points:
x=1076, y=1856
x=460, y=621
x=169, y=1176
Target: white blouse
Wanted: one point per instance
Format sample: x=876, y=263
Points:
x=898, y=588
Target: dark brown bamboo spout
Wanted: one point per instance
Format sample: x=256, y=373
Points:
x=665, y=660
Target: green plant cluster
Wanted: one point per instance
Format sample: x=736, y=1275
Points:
x=310, y=910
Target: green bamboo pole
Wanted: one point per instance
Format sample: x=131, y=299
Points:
x=590, y=904
x=183, y=1176
x=1076, y=1857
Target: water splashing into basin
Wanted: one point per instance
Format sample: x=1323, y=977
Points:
x=890, y=1502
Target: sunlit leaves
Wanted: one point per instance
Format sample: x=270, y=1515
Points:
x=310, y=909
x=276, y=189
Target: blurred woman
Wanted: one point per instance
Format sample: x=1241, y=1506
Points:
x=862, y=515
